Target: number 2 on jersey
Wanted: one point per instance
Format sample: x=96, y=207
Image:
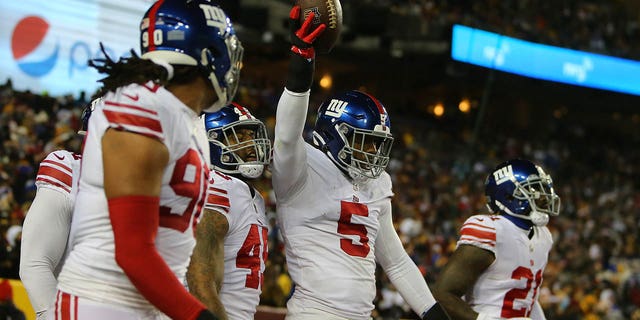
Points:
x=346, y=227
x=249, y=256
x=508, y=308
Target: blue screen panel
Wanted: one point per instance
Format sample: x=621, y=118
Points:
x=545, y=62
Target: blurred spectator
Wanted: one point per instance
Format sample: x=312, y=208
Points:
x=8, y=309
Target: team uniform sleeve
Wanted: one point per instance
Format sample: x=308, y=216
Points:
x=44, y=239
x=289, y=154
x=217, y=198
x=479, y=231
x=400, y=269
x=123, y=112
x=55, y=172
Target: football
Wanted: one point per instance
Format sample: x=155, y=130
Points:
x=328, y=12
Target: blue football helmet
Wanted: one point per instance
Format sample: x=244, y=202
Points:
x=522, y=189
x=196, y=33
x=86, y=114
x=353, y=130
x=238, y=142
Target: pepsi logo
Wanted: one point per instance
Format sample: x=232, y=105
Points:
x=35, y=53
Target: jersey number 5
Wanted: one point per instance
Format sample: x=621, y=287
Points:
x=346, y=227
x=508, y=308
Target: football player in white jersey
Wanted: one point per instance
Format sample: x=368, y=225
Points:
x=231, y=238
x=46, y=228
x=496, y=270
x=334, y=199
x=145, y=168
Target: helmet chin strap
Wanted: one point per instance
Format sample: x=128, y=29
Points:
x=221, y=93
x=250, y=171
x=539, y=219
x=535, y=217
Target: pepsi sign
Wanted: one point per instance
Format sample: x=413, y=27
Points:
x=45, y=45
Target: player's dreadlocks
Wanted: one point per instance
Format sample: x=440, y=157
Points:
x=134, y=69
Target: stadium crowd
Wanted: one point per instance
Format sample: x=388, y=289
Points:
x=594, y=268
x=438, y=174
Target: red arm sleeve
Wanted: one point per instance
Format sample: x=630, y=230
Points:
x=135, y=222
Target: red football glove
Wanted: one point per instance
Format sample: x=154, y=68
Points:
x=301, y=36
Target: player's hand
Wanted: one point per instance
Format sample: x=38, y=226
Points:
x=206, y=315
x=301, y=36
x=436, y=312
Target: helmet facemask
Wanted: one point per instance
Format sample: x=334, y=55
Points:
x=245, y=147
x=365, y=152
x=227, y=90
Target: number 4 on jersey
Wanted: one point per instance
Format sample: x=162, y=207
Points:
x=250, y=257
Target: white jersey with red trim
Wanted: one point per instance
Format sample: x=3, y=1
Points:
x=329, y=228
x=46, y=227
x=60, y=171
x=245, y=245
x=510, y=286
x=91, y=270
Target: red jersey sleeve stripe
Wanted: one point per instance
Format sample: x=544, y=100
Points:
x=218, y=200
x=55, y=174
x=54, y=183
x=55, y=163
x=477, y=225
x=218, y=190
x=130, y=106
x=134, y=122
x=481, y=234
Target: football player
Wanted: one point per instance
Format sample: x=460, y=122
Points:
x=231, y=238
x=333, y=198
x=145, y=168
x=496, y=270
x=45, y=230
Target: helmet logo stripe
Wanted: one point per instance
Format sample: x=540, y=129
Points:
x=336, y=108
x=215, y=18
x=503, y=174
x=152, y=24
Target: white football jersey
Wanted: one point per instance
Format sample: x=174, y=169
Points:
x=329, y=228
x=245, y=245
x=46, y=227
x=150, y=110
x=510, y=286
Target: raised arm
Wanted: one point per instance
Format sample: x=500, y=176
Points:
x=402, y=272
x=206, y=269
x=289, y=155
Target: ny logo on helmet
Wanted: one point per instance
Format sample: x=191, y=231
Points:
x=215, y=18
x=336, y=108
x=503, y=174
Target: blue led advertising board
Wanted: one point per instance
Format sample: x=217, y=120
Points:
x=545, y=62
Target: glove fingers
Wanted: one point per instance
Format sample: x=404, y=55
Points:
x=305, y=25
x=294, y=19
x=317, y=32
x=294, y=14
